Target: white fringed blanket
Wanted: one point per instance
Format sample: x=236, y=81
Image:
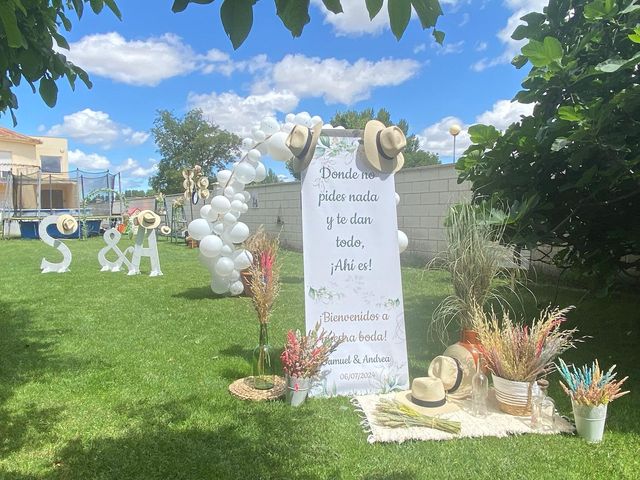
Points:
x=495, y=424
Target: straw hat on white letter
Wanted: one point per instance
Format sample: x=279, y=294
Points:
x=302, y=142
x=148, y=219
x=427, y=396
x=383, y=146
x=66, y=224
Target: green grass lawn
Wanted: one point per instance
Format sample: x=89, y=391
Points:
x=105, y=376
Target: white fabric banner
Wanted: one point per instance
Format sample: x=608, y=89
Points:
x=352, y=277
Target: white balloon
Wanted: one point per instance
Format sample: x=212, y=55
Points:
x=397, y=199
x=239, y=232
x=245, y=208
x=199, y=228
x=244, y=172
x=218, y=228
x=240, y=197
x=254, y=156
x=302, y=118
x=227, y=251
x=229, y=219
x=269, y=125
x=229, y=192
x=247, y=196
x=248, y=143
x=233, y=276
x=258, y=135
x=220, y=204
x=236, y=205
x=210, y=246
x=237, y=186
x=327, y=126
x=223, y=176
x=262, y=148
x=261, y=172
x=224, y=266
x=278, y=149
x=290, y=117
x=236, y=288
x=315, y=120
x=204, y=211
x=242, y=259
x=339, y=127
x=403, y=241
x=287, y=127
x=219, y=285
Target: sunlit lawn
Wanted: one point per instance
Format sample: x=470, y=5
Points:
x=114, y=377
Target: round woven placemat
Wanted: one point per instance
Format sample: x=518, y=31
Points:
x=243, y=389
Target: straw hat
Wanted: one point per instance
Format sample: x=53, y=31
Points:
x=302, y=143
x=187, y=174
x=427, y=396
x=165, y=230
x=66, y=224
x=188, y=184
x=148, y=219
x=204, y=193
x=383, y=146
x=202, y=183
x=468, y=365
x=449, y=370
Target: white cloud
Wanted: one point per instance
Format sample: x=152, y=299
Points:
x=338, y=81
x=465, y=19
x=93, y=127
x=448, y=48
x=436, y=137
x=88, y=161
x=132, y=170
x=421, y=47
x=354, y=19
x=238, y=114
x=481, y=46
x=511, y=47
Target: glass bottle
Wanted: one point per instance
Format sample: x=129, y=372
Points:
x=479, y=390
x=262, y=367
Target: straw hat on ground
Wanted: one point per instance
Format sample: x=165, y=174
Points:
x=66, y=224
x=148, y=219
x=383, y=146
x=427, y=396
x=302, y=142
x=449, y=370
x=468, y=365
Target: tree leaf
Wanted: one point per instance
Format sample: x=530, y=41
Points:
x=614, y=64
x=438, y=35
x=542, y=54
x=635, y=37
x=78, y=6
x=632, y=7
x=333, y=5
x=60, y=40
x=96, y=5
x=428, y=12
x=599, y=9
x=237, y=19
x=10, y=23
x=373, y=7
x=179, y=5
x=485, y=135
x=570, y=113
x=48, y=91
x=114, y=8
x=399, y=16
x=294, y=14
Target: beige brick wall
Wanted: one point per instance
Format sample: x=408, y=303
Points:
x=425, y=195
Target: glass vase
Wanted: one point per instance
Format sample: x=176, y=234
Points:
x=479, y=390
x=262, y=366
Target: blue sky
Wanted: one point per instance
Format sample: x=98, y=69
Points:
x=155, y=59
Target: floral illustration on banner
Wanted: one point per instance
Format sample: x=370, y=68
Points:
x=335, y=146
x=390, y=379
x=389, y=303
x=324, y=295
x=399, y=334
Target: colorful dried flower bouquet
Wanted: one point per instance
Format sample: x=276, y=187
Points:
x=304, y=355
x=588, y=385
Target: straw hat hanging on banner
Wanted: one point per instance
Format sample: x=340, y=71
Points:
x=302, y=142
x=383, y=146
x=427, y=396
x=66, y=224
x=148, y=219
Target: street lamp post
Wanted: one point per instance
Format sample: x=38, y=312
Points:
x=454, y=130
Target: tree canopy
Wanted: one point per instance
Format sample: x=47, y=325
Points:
x=30, y=34
x=188, y=141
x=571, y=170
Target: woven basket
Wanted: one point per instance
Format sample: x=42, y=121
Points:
x=513, y=397
x=243, y=389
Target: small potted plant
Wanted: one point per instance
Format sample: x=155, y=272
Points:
x=302, y=359
x=518, y=354
x=590, y=390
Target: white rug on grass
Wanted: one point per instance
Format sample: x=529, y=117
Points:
x=495, y=424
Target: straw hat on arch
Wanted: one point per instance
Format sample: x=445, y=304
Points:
x=66, y=224
x=302, y=142
x=383, y=146
x=148, y=219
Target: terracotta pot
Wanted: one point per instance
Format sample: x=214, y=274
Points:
x=469, y=340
